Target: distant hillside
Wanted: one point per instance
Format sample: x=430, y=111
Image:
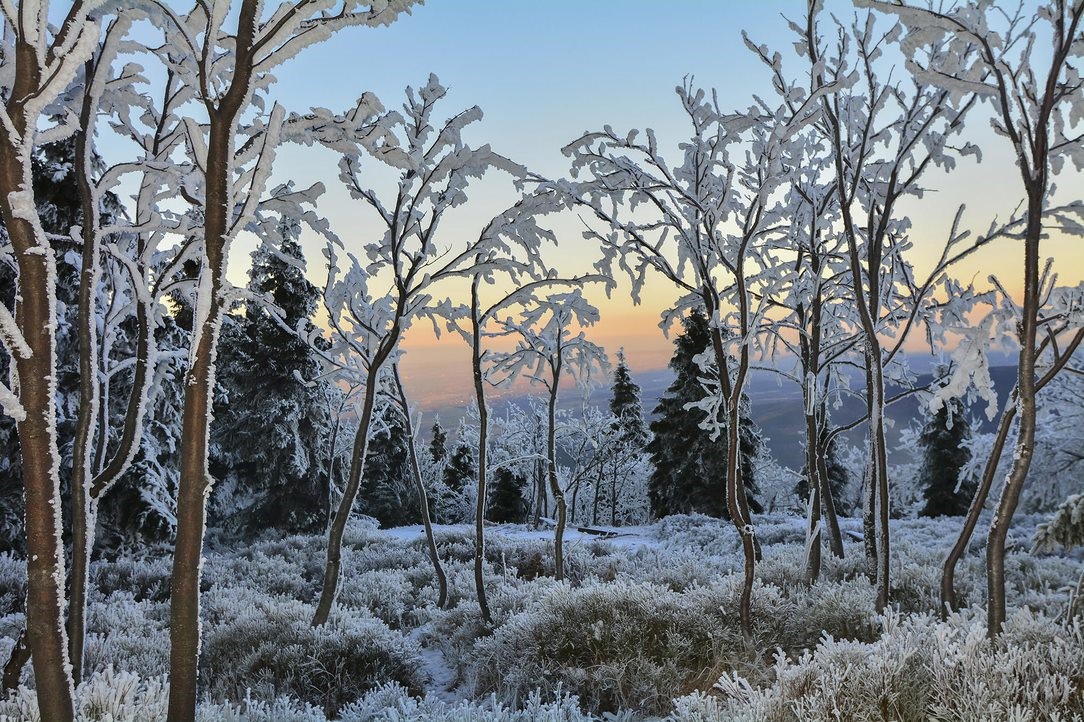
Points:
x=777, y=409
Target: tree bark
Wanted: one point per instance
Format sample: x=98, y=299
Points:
x=949, y=602
x=35, y=369
x=483, y=454
x=195, y=482
x=551, y=471
x=423, y=497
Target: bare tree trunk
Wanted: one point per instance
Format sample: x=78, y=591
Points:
x=330, y=585
x=813, y=489
x=1025, y=405
x=83, y=505
x=737, y=504
x=195, y=481
x=835, y=536
x=594, y=502
x=949, y=602
x=423, y=498
x=13, y=670
x=35, y=370
x=555, y=486
x=483, y=455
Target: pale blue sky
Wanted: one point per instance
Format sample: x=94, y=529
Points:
x=545, y=71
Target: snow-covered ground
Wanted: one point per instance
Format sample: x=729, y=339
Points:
x=644, y=626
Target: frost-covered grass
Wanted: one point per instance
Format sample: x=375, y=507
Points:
x=645, y=624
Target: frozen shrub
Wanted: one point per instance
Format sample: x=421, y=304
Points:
x=617, y=646
x=393, y=704
x=267, y=647
x=145, y=577
x=107, y=696
x=919, y=669
x=12, y=583
x=129, y=634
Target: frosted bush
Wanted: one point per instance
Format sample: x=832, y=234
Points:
x=392, y=704
x=126, y=633
x=144, y=577
x=617, y=646
x=12, y=583
x=919, y=669
x=267, y=648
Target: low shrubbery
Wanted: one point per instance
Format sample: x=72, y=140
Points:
x=636, y=623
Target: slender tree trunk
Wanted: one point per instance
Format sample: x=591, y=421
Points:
x=555, y=486
x=35, y=371
x=835, y=536
x=575, y=493
x=195, y=481
x=813, y=489
x=869, y=488
x=737, y=504
x=330, y=586
x=949, y=602
x=1025, y=405
x=83, y=505
x=423, y=498
x=613, y=497
x=483, y=455
x=13, y=670
x=594, y=502
x=879, y=473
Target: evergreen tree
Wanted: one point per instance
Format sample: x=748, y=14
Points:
x=689, y=466
x=506, y=502
x=271, y=430
x=460, y=469
x=944, y=454
x=625, y=404
x=438, y=447
x=387, y=492
x=838, y=479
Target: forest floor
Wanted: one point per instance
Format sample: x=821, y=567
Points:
x=644, y=626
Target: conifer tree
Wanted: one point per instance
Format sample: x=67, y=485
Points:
x=625, y=404
x=438, y=447
x=507, y=504
x=689, y=473
x=460, y=469
x=386, y=492
x=944, y=454
x=271, y=428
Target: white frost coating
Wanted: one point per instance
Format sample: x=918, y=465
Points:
x=11, y=404
x=201, y=312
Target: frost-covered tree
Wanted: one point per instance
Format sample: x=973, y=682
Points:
x=227, y=73
x=625, y=403
x=883, y=137
x=689, y=465
x=943, y=445
x=271, y=429
x=705, y=225
x=547, y=352
x=435, y=168
x=39, y=60
x=993, y=54
x=387, y=493
x=438, y=445
x=459, y=473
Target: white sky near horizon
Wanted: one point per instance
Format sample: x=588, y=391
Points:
x=544, y=73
